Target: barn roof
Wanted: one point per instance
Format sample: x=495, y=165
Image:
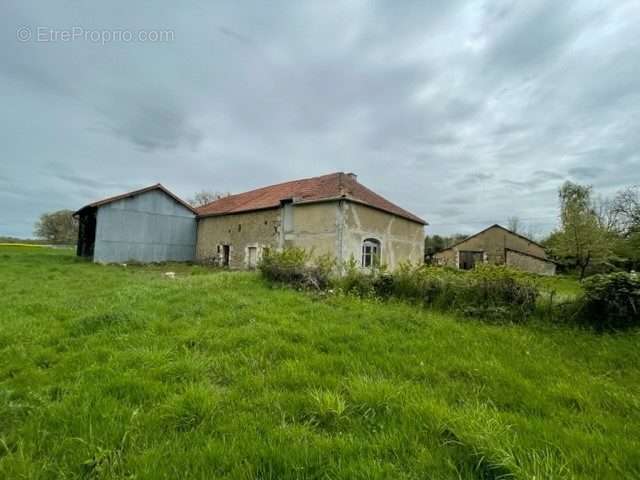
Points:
x=334, y=186
x=133, y=193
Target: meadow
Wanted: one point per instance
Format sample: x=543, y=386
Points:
x=124, y=372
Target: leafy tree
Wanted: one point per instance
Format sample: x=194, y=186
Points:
x=203, y=197
x=581, y=237
x=57, y=227
x=434, y=244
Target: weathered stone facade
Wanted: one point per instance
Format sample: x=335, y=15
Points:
x=498, y=246
x=531, y=264
x=401, y=240
x=239, y=232
x=336, y=227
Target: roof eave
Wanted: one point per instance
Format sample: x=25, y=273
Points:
x=133, y=193
x=411, y=218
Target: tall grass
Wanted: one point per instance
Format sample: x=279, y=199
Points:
x=112, y=372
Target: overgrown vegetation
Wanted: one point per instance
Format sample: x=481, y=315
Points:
x=489, y=291
x=295, y=266
x=611, y=301
x=111, y=372
x=492, y=292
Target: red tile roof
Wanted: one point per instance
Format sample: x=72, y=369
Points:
x=337, y=185
x=133, y=193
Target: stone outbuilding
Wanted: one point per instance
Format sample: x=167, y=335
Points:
x=499, y=246
x=332, y=214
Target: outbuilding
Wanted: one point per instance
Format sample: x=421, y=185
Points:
x=499, y=246
x=147, y=225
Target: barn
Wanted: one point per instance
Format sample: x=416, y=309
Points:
x=499, y=246
x=147, y=225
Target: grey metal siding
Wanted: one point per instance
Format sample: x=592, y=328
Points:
x=150, y=227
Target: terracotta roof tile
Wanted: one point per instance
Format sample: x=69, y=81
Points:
x=333, y=186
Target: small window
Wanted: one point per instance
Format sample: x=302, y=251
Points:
x=370, y=253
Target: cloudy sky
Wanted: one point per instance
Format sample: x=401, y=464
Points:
x=463, y=113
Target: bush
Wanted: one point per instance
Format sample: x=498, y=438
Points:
x=611, y=301
x=356, y=281
x=499, y=291
x=489, y=291
x=294, y=266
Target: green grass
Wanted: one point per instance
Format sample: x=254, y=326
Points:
x=564, y=287
x=114, y=372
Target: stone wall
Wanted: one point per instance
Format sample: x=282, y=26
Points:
x=400, y=239
x=259, y=229
x=337, y=228
x=530, y=264
x=315, y=228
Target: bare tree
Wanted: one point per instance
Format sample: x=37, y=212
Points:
x=203, y=197
x=514, y=224
x=57, y=227
x=625, y=210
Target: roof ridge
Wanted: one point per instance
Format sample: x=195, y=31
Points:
x=138, y=191
x=268, y=187
x=331, y=186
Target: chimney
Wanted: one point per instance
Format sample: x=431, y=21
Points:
x=352, y=176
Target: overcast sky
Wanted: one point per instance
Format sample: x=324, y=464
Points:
x=463, y=113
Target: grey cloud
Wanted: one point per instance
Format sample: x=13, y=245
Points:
x=586, y=173
x=152, y=125
x=536, y=33
x=92, y=183
x=545, y=175
x=484, y=107
x=460, y=199
x=537, y=179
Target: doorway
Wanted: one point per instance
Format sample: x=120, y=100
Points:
x=469, y=259
x=86, y=232
x=226, y=251
x=252, y=257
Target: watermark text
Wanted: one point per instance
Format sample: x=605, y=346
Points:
x=45, y=34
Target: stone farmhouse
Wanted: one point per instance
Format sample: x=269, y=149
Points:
x=331, y=214
x=499, y=246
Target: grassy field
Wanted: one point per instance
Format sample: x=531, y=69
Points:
x=113, y=372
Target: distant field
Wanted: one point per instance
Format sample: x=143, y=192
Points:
x=114, y=372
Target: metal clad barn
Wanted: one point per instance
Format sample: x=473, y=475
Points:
x=147, y=225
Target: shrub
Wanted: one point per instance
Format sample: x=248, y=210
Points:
x=611, y=301
x=488, y=291
x=295, y=266
x=356, y=281
x=499, y=291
